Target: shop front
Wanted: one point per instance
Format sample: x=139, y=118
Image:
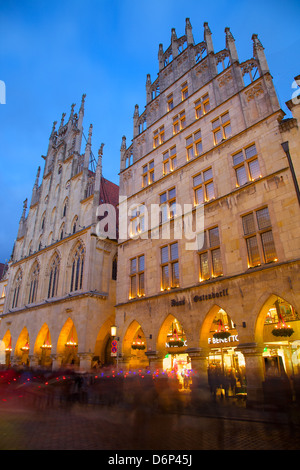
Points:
x=226, y=365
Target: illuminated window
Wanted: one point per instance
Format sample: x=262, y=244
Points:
x=169, y=266
x=203, y=187
x=193, y=145
x=184, y=91
x=158, y=137
x=221, y=128
x=148, y=174
x=168, y=205
x=170, y=103
x=169, y=160
x=210, y=260
x=259, y=237
x=137, y=277
x=246, y=165
x=137, y=220
x=202, y=106
x=179, y=122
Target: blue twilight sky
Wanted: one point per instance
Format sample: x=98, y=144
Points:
x=54, y=51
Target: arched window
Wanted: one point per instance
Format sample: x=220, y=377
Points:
x=74, y=226
x=16, y=289
x=53, y=276
x=77, y=269
x=33, y=283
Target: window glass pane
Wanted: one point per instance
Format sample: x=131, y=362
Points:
x=133, y=286
x=175, y=275
x=199, y=196
x=173, y=163
x=141, y=284
x=268, y=246
x=204, y=270
x=253, y=253
x=166, y=167
x=216, y=262
x=197, y=135
x=172, y=151
x=250, y=151
x=145, y=168
x=151, y=164
x=189, y=140
x=141, y=263
x=164, y=254
x=263, y=218
x=210, y=191
x=163, y=197
x=218, y=136
x=145, y=180
x=133, y=266
x=174, y=251
x=238, y=158
x=172, y=193
x=241, y=175
x=190, y=153
x=254, y=169
x=227, y=131
x=165, y=277
x=214, y=239
x=215, y=124
x=225, y=118
x=207, y=175
x=197, y=180
x=248, y=224
x=198, y=148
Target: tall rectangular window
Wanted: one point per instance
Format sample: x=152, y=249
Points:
x=137, y=277
x=193, y=145
x=258, y=236
x=170, y=103
x=148, y=174
x=246, y=165
x=167, y=202
x=169, y=160
x=221, y=128
x=184, y=91
x=179, y=122
x=210, y=261
x=169, y=266
x=203, y=187
x=158, y=137
x=202, y=106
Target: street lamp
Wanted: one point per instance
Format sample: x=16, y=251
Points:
x=113, y=331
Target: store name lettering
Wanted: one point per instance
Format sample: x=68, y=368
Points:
x=213, y=295
x=230, y=339
x=176, y=303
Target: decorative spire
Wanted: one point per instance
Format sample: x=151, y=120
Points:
x=81, y=110
x=230, y=45
x=24, y=209
x=161, y=57
x=122, y=153
x=259, y=54
x=189, y=32
x=148, y=88
x=208, y=38
x=62, y=120
x=174, y=43
x=53, y=129
x=72, y=112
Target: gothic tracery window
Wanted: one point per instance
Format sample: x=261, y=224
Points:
x=53, y=276
x=16, y=289
x=33, y=283
x=77, y=268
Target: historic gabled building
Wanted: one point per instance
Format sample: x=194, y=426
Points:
x=60, y=288
x=212, y=137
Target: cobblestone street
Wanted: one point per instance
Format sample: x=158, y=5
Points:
x=88, y=427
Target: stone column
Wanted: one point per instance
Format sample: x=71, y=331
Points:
x=34, y=360
x=254, y=372
x=123, y=363
x=85, y=363
x=200, y=385
x=155, y=361
x=56, y=361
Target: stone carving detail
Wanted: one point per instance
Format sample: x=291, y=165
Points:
x=255, y=91
x=225, y=78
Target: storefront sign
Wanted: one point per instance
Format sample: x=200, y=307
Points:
x=213, y=295
x=176, y=303
x=230, y=339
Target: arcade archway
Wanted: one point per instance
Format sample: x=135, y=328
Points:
x=67, y=345
x=43, y=346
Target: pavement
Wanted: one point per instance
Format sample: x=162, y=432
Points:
x=54, y=425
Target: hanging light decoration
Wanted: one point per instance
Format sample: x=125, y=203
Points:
x=47, y=344
x=71, y=343
x=25, y=348
x=138, y=344
x=9, y=349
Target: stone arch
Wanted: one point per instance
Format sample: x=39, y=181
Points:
x=22, y=347
x=103, y=341
x=164, y=330
x=43, y=346
x=67, y=344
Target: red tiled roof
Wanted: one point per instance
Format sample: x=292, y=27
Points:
x=109, y=193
